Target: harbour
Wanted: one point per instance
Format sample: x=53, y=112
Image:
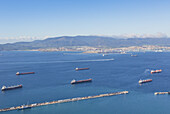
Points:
x=64, y=101
x=107, y=77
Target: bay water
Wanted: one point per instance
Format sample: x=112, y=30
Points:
x=55, y=70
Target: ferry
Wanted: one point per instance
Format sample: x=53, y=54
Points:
x=81, y=69
x=80, y=81
x=11, y=87
x=156, y=71
x=144, y=81
x=18, y=73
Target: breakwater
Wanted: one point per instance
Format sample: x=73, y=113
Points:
x=65, y=100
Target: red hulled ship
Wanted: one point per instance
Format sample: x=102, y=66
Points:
x=156, y=71
x=81, y=69
x=144, y=81
x=18, y=73
x=10, y=87
x=80, y=81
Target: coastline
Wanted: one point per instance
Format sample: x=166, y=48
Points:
x=121, y=50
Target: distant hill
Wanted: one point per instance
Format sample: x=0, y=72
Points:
x=93, y=41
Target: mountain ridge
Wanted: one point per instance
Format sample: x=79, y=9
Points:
x=92, y=41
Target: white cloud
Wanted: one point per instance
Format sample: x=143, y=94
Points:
x=156, y=35
x=4, y=40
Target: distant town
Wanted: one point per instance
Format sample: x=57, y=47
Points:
x=122, y=50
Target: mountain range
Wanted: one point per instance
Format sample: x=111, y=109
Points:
x=92, y=41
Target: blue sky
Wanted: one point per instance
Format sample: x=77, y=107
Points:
x=38, y=19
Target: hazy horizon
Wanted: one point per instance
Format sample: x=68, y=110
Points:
x=123, y=36
x=30, y=20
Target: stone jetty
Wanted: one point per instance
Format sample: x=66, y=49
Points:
x=65, y=100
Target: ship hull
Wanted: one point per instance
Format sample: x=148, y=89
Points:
x=82, y=69
x=24, y=108
x=156, y=71
x=26, y=73
x=145, y=81
x=82, y=81
x=11, y=88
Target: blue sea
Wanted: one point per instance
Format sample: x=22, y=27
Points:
x=55, y=70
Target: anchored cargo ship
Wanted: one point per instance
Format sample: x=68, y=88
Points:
x=144, y=81
x=11, y=87
x=156, y=71
x=161, y=93
x=82, y=69
x=18, y=73
x=80, y=81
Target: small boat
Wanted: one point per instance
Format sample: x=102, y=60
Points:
x=144, y=81
x=80, y=81
x=23, y=107
x=18, y=73
x=156, y=71
x=105, y=55
x=11, y=87
x=133, y=55
x=81, y=69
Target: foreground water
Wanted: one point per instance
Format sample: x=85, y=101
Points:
x=55, y=70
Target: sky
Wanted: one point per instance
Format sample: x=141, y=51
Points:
x=27, y=20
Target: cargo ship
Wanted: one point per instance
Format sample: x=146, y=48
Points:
x=144, y=81
x=18, y=73
x=80, y=81
x=23, y=107
x=11, y=87
x=81, y=69
x=161, y=93
x=156, y=71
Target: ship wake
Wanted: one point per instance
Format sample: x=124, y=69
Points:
x=39, y=62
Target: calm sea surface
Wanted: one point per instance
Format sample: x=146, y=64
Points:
x=55, y=70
